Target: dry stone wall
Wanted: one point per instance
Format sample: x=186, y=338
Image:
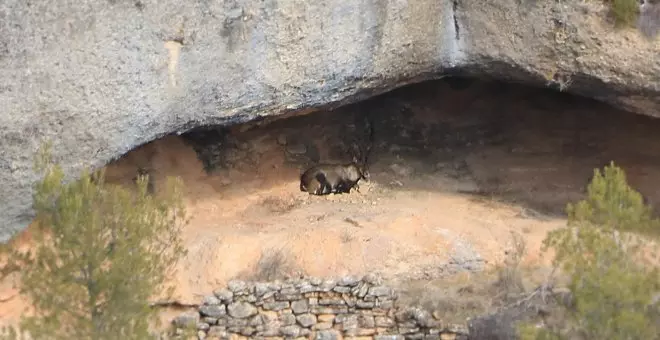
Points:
x=312, y=308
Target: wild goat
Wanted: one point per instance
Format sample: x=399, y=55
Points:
x=323, y=179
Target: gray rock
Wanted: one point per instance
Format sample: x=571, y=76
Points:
x=241, y=310
x=322, y=326
x=332, y=302
x=362, y=292
x=366, y=321
x=328, y=310
x=201, y=335
x=342, y=289
x=269, y=329
x=299, y=306
x=186, y=319
x=276, y=305
x=417, y=316
x=214, y=311
x=350, y=301
x=211, y=300
x=209, y=320
x=349, y=281
x=373, y=279
x=222, y=322
x=288, y=287
x=347, y=321
x=224, y=295
x=384, y=322
x=260, y=289
x=290, y=331
x=385, y=304
x=59, y=82
x=247, y=331
x=287, y=319
x=379, y=291
x=202, y=326
x=217, y=331
x=327, y=285
x=328, y=334
x=389, y=337
x=365, y=304
x=237, y=286
x=257, y=320
x=306, y=320
x=269, y=296
x=308, y=288
x=275, y=285
x=408, y=332
x=237, y=323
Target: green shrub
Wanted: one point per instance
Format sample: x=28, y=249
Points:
x=612, y=277
x=612, y=204
x=625, y=12
x=102, y=253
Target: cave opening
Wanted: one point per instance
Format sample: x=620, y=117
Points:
x=524, y=145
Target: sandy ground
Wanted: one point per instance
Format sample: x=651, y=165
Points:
x=456, y=168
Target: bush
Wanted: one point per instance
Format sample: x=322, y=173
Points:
x=102, y=252
x=612, y=278
x=625, y=12
x=612, y=205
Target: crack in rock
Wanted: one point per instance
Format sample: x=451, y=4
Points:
x=454, y=8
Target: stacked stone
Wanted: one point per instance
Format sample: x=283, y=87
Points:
x=310, y=308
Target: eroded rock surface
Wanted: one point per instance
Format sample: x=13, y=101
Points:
x=102, y=77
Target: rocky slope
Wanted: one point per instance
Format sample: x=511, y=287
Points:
x=99, y=78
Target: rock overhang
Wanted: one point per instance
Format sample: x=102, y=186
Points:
x=102, y=78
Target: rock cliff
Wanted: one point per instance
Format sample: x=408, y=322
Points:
x=100, y=77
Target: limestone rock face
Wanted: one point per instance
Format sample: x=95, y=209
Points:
x=101, y=77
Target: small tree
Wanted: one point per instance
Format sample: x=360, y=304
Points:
x=102, y=252
x=625, y=12
x=612, y=279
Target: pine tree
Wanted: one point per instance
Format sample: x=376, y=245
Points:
x=611, y=267
x=103, y=251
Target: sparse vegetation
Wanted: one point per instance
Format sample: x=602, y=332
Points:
x=613, y=272
x=470, y=294
x=624, y=12
x=509, y=281
x=346, y=236
x=279, y=205
x=273, y=264
x=101, y=253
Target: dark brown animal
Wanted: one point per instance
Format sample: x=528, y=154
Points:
x=324, y=179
